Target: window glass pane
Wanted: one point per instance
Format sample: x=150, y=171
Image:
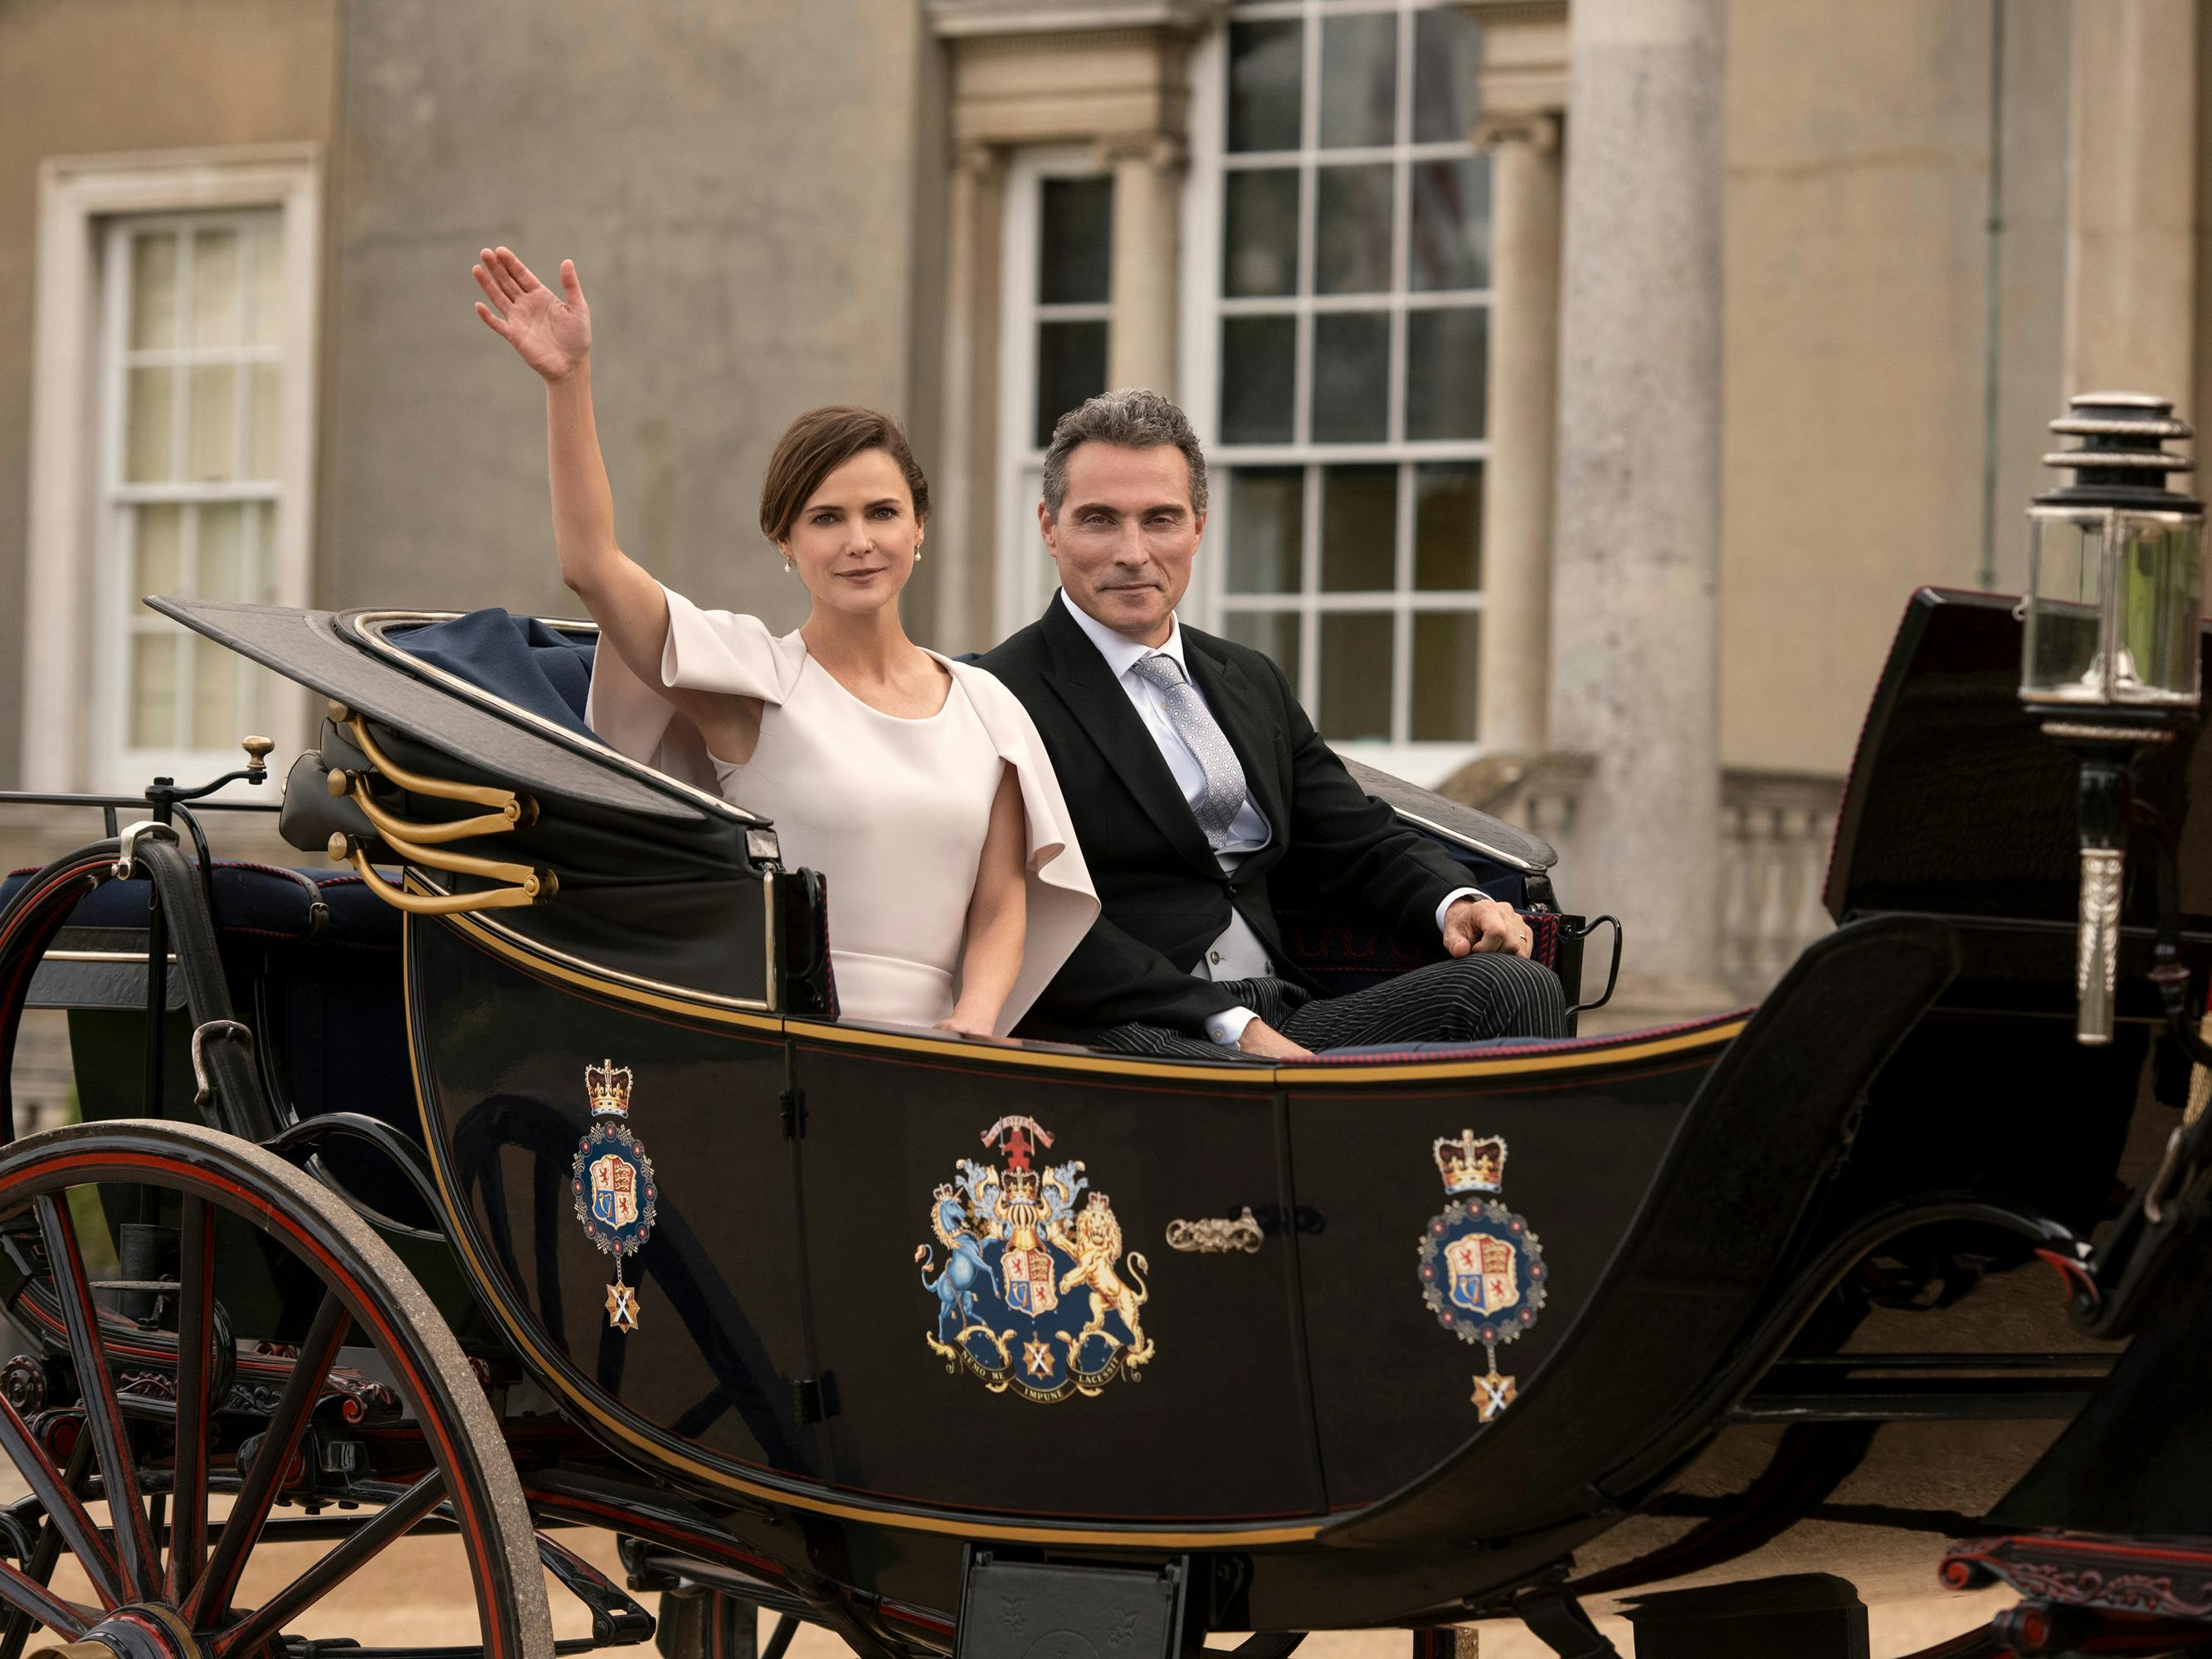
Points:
x=148, y=417
x=1451, y=242
x=264, y=558
x=1351, y=377
x=1259, y=371
x=1075, y=241
x=154, y=291
x=1273, y=633
x=263, y=392
x=215, y=287
x=1071, y=366
x=268, y=255
x=1447, y=52
x=160, y=530
x=1266, y=529
x=260, y=703
x=1355, y=679
x=1448, y=527
x=1447, y=367
x=1259, y=232
x=1358, y=529
x=1351, y=233
x=220, y=560
x=1358, y=80
x=215, y=695
x=1446, y=647
x=214, y=410
x=1264, y=62
x=153, y=689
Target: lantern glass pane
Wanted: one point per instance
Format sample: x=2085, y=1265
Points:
x=2161, y=579
x=2065, y=570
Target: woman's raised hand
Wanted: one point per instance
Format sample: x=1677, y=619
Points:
x=552, y=331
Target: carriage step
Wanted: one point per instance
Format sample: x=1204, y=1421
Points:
x=1807, y=1615
x=1041, y=1610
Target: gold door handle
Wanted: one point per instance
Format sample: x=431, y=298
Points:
x=1216, y=1235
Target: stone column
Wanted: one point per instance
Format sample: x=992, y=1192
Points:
x=1635, y=613
x=1141, y=336
x=2131, y=209
x=1517, y=483
x=964, y=531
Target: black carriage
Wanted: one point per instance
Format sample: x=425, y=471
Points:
x=518, y=1174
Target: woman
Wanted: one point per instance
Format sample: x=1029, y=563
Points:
x=916, y=785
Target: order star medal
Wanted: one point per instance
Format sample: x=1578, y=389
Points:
x=612, y=1180
x=1482, y=1269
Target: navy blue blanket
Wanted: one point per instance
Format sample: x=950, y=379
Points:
x=517, y=658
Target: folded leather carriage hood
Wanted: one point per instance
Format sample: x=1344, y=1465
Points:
x=640, y=859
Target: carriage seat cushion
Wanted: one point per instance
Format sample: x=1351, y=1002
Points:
x=256, y=901
x=518, y=659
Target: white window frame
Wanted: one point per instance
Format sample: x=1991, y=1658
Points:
x=72, y=733
x=1204, y=306
x=1025, y=577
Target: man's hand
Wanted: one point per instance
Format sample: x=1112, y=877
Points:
x=1476, y=923
x=1263, y=1039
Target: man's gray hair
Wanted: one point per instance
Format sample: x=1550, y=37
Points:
x=1129, y=419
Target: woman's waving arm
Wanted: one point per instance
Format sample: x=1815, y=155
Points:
x=552, y=333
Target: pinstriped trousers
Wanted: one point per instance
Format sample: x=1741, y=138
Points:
x=1487, y=994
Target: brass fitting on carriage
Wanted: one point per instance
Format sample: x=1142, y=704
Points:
x=423, y=844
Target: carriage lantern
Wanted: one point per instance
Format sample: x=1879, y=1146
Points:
x=2110, y=655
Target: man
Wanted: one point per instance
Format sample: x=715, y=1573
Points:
x=1192, y=774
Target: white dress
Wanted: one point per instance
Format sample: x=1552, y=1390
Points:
x=894, y=811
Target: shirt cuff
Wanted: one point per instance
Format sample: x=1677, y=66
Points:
x=1454, y=897
x=1227, y=1027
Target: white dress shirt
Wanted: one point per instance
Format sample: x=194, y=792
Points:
x=1239, y=953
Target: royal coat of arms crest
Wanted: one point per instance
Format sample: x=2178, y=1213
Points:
x=1035, y=1294
x=612, y=1183
x=1482, y=1269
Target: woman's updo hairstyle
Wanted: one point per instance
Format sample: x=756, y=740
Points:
x=816, y=445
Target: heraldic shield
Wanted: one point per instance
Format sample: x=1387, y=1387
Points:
x=611, y=1182
x=1482, y=1269
x=1035, y=1294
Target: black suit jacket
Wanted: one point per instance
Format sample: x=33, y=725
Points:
x=1164, y=899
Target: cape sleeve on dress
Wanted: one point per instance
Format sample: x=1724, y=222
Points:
x=1061, y=902
x=707, y=651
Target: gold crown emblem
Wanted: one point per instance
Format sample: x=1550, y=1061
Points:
x=608, y=1085
x=1469, y=1165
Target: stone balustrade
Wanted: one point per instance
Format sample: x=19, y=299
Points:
x=1775, y=831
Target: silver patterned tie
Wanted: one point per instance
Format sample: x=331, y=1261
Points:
x=1225, y=779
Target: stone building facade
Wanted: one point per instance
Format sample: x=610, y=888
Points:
x=1589, y=381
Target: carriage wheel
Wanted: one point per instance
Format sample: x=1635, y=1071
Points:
x=165, y=1572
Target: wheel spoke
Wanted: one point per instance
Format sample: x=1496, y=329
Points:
x=77, y=1529
x=210, y=1596
x=268, y=1620
x=103, y=1412
x=16, y=1628
x=194, y=1318
x=27, y=1595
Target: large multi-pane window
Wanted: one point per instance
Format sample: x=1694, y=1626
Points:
x=192, y=435
x=1349, y=290
x=1058, y=288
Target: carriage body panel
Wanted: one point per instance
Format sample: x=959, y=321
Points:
x=1375, y=1338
